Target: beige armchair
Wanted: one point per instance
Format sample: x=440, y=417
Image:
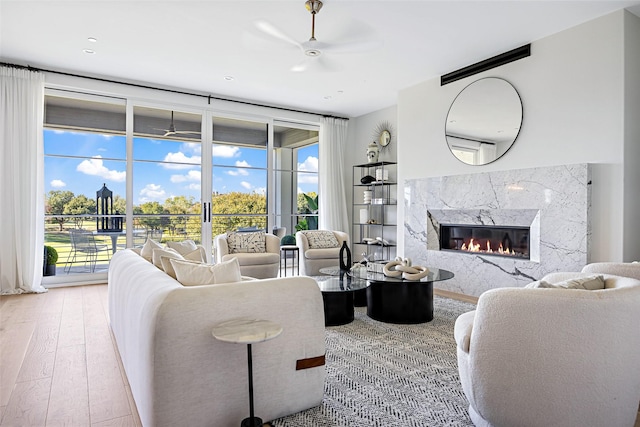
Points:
x=553, y=357
x=258, y=253
x=319, y=249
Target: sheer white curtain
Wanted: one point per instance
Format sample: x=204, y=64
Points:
x=332, y=204
x=21, y=180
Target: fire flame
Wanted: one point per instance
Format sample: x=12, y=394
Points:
x=476, y=247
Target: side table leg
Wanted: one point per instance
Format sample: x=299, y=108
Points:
x=252, y=421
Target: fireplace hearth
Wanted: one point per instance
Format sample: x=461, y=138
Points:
x=505, y=241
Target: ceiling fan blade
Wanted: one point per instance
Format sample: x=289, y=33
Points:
x=270, y=30
x=316, y=64
x=362, y=46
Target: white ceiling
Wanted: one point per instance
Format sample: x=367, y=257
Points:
x=193, y=45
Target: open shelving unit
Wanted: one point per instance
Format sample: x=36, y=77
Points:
x=374, y=211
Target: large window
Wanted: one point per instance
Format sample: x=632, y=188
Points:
x=166, y=175
x=85, y=150
x=109, y=187
x=239, y=175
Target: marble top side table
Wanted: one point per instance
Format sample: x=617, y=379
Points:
x=247, y=331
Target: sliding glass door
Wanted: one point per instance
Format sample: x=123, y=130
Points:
x=120, y=171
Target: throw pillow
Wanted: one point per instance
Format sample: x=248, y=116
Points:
x=147, y=249
x=168, y=267
x=158, y=253
x=184, y=247
x=192, y=274
x=591, y=283
x=321, y=239
x=246, y=242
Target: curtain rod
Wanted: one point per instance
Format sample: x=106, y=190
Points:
x=209, y=97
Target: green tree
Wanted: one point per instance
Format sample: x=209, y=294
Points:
x=119, y=205
x=80, y=205
x=55, y=203
x=238, y=203
x=152, y=222
x=182, y=207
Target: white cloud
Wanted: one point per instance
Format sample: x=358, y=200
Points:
x=246, y=185
x=242, y=163
x=260, y=190
x=56, y=183
x=193, y=186
x=191, y=176
x=226, y=151
x=238, y=172
x=178, y=160
x=95, y=167
x=309, y=165
x=152, y=192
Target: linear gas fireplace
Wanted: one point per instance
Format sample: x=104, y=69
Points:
x=505, y=241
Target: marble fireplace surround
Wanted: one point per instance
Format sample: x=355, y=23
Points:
x=552, y=201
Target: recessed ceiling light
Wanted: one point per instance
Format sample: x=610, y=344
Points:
x=327, y=97
x=89, y=51
x=229, y=78
x=92, y=39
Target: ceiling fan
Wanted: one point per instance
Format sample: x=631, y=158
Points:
x=313, y=49
x=172, y=130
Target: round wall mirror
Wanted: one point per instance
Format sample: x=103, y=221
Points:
x=483, y=121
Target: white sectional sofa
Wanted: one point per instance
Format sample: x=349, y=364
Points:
x=181, y=376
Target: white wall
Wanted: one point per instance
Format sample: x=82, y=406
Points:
x=573, y=93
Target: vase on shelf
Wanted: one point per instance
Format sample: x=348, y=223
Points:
x=372, y=152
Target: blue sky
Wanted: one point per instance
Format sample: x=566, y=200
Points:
x=161, y=169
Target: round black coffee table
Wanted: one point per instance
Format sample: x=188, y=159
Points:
x=337, y=295
x=394, y=300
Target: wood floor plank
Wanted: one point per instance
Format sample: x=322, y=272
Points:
x=14, y=342
x=107, y=395
x=21, y=308
x=127, y=421
x=69, y=401
x=28, y=404
x=72, y=320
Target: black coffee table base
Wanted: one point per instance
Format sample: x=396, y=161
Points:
x=403, y=302
x=338, y=308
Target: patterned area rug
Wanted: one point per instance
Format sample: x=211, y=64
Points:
x=381, y=374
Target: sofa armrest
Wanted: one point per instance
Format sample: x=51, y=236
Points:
x=302, y=242
x=222, y=247
x=272, y=243
x=462, y=330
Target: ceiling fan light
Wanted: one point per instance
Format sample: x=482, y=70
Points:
x=313, y=6
x=312, y=52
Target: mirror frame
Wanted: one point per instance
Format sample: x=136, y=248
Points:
x=507, y=108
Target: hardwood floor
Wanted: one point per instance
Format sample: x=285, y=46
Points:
x=59, y=363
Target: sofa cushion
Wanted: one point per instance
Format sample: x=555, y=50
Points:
x=193, y=274
x=323, y=253
x=246, y=242
x=321, y=239
x=147, y=249
x=159, y=252
x=254, y=259
x=591, y=283
x=184, y=247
